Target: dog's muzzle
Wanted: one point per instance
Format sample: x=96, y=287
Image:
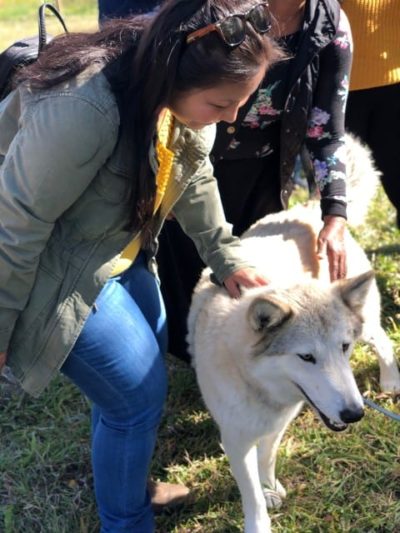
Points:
x=348, y=416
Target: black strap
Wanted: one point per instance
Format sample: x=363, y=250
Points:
x=42, y=23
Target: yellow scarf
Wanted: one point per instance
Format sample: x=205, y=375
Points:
x=165, y=158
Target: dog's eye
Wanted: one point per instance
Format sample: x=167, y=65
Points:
x=345, y=347
x=307, y=357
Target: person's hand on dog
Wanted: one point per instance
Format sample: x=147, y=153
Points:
x=330, y=245
x=246, y=277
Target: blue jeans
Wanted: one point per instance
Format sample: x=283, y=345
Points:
x=118, y=363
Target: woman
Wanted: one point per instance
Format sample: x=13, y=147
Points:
x=103, y=135
x=299, y=108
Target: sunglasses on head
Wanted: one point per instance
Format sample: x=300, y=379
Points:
x=232, y=29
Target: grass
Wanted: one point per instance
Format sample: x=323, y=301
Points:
x=19, y=18
x=346, y=482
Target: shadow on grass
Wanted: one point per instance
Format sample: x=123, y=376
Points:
x=187, y=429
x=216, y=496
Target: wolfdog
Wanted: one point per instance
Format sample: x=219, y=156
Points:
x=259, y=358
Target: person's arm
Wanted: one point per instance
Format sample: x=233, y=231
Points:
x=200, y=214
x=325, y=142
x=50, y=162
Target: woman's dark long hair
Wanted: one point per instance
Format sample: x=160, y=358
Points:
x=147, y=59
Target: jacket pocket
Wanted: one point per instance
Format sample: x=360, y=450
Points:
x=34, y=320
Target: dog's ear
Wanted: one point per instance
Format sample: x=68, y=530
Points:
x=354, y=290
x=266, y=313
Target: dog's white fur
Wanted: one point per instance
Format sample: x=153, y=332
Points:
x=260, y=357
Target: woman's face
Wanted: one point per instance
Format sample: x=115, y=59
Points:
x=201, y=107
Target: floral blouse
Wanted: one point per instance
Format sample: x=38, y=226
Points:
x=259, y=134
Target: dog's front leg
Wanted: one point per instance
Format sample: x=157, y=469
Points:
x=267, y=452
x=242, y=456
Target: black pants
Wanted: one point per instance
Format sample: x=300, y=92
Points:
x=249, y=190
x=374, y=116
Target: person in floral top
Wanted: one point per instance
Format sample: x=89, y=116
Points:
x=259, y=136
x=298, y=109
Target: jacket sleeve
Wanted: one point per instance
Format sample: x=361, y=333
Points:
x=200, y=214
x=51, y=160
x=326, y=127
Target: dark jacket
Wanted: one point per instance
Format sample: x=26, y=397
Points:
x=321, y=21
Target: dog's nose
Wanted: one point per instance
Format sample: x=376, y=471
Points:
x=348, y=416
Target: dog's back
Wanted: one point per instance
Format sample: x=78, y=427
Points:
x=289, y=240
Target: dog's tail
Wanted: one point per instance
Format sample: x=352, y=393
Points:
x=362, y=179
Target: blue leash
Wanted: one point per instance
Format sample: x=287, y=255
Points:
x=382, y=410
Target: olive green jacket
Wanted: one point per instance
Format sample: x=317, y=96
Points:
x=64, y=210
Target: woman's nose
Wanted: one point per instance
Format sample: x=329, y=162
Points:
x=230, y=114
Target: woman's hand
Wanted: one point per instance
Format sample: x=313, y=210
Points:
x=247, y=277
x=330, y=244
x=3, y=357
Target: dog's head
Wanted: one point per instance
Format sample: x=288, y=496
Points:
x=303, y=339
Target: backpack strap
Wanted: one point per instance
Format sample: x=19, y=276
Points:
x=42, y=23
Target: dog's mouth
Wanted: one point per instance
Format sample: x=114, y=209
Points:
x=330, y=424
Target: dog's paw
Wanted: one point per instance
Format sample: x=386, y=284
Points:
x=274, y=497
